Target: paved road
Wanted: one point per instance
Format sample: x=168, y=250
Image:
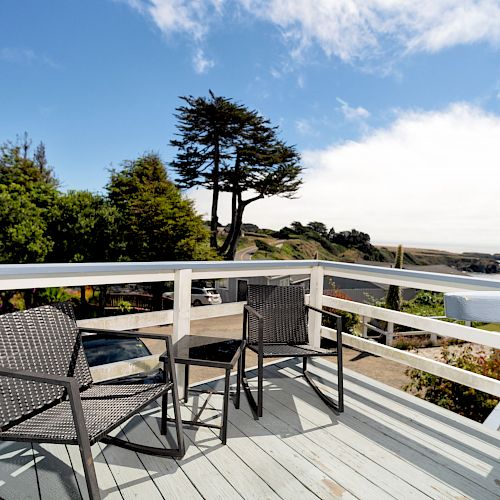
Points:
x=245, y=253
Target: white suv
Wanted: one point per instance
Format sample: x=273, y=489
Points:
x=205, y=296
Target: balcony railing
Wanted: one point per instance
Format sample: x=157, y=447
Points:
x=13, y=276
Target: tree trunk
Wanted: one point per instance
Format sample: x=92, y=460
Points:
x=231, y=252
x=234, y=209
x=215, y=196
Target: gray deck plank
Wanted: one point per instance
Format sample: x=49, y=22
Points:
x=289, y=458
x=351, y=468
x=17, y=471
x=441, y=474
x=166, y=473
x=132, y=478
x=107, y=484
x=285, y=484
x=56, y=476
x=443, y=448
x=444, y=426
x=234, y=468
x=211, y=484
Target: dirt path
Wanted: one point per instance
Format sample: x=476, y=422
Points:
x=380, y=369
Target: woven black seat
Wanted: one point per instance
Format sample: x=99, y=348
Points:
x=275, y=325
x=47, y=393
x=104, y=407
x=290, y=350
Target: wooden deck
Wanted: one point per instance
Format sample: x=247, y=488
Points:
x=387, y=444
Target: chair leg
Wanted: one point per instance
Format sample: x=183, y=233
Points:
x=89, y=469
x=246, y=388
x=238, y=381
x=83, y=442
x=260, y=386
x=164, y=414
x=339, y=407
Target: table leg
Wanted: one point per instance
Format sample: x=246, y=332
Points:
x=238, y=380
x=186, y=383
x=223, y=432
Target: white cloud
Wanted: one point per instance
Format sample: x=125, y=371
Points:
x=25, y=56
x=431, y=178
x=201, y=63
x=191, y=17
x=351, y=113
x=361, y=29
x=305, y=127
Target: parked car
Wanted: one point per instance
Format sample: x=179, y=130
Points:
x=102, y=349
x=205, y=296
x=200, y=296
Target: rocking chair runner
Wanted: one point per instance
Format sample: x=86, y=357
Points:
x=47, y=392
x=275, y=325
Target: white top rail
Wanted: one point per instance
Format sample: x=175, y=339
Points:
x=21, y=276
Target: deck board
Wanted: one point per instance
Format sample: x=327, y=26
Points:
x=387, y=444
x=441, y=447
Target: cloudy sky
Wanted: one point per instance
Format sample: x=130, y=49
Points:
x=394, y=104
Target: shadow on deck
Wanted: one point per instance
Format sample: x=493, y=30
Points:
x=387, y=444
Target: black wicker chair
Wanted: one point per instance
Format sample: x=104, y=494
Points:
x=47, y=392
x=275, y=325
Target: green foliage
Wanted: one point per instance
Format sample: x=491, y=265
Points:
x=264, y=246
x=155, y=221
x=83, y=227
x=124, y=306
x=23, y=227
x=349, y=320
x=28, y=191
x=461, y=399
x=425, y=304
x=53, y=296
x=394, y=297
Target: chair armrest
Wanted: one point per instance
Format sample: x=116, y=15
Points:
x=46, y=378
x=252, y=311
x=120, y=333
x=338, y=319
x=328, y=313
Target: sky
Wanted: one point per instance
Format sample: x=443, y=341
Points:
x=393, y=104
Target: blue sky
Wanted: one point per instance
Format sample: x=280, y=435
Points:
x=391, y=103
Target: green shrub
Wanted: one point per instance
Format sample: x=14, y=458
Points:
x=264, y=246
x=53, y=295
x=458, y=398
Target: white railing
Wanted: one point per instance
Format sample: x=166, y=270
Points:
x=14, y=276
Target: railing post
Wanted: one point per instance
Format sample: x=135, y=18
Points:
x=364, y=326
x=315, y=300
x=182, y=313
x=390, y=334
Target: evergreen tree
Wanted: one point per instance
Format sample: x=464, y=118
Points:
x=224, y=146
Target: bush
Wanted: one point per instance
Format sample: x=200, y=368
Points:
x=458, y=398
x=349, y=320
x=264, y=246
x=53, y=296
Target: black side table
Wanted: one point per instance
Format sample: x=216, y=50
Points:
x=213, y=352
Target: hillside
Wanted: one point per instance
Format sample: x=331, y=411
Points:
x=303, y=247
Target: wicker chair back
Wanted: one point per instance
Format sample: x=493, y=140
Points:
x=43, y=340
x=283, y=311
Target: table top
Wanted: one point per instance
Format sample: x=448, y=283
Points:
x=201, y=350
